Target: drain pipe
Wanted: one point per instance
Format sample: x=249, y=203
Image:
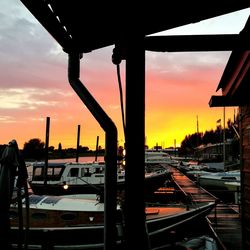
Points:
x=110, y=188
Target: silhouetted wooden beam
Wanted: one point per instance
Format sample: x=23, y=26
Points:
x=182, y=43
x=224, y=101
x=41, y=11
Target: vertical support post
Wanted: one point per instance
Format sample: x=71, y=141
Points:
x=78, y=142
x=242, y=173
x=110, y=188
x=134, y=207
x=224, y=136
x=96, y=148
x=46, y=150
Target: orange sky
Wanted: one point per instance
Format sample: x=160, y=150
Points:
x=34, y=85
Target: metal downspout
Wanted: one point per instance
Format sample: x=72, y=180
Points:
x=110, y=188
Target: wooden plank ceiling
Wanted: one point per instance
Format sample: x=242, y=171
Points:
x=83, y=26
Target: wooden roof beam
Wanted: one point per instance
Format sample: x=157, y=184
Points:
x=183, y=43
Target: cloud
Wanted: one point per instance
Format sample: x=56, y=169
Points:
x=34, y=84
x=7, y=119
x=30, y=98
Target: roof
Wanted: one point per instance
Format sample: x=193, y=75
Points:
x=234, y=82
x=83, y=26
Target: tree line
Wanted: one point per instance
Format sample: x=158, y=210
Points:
x=35, y=148
x=192, y=141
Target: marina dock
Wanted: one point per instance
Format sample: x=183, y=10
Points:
x=190, y=188
x=224, y=220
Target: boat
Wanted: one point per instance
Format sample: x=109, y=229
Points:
x=202, y=242
x=61, y=211
x=159, y=157
x=195, y=174
x=85, y=177
x=77, y=221
x=220, y=180
x=185, y=167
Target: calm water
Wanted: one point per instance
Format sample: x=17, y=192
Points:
x=80, y=159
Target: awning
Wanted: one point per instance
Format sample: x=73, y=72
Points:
x=235, y=81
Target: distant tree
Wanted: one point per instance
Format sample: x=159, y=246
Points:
x=59, y=147
x=83, y=149
x=208, y=137
x=34, y=149
x=213, y=136
x=188, y=144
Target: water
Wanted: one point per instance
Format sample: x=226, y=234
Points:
x=80, y=159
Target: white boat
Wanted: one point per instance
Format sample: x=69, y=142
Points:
x=86, y=177
x=61, y=211
x=159, y=157
x=191, y=166
x=219, y=180
x=77, y=221
x=195, y=174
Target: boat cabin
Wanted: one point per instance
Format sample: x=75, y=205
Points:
x=57, y=171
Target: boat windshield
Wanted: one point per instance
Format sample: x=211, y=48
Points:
x=54, y=172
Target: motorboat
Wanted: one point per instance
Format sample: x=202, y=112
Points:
x=159, y=157
x=185, y=167
x=70, y=177
x=220, y=180
x=77, y=221
x=84, y=177
x=195, y=174
x=61, y=211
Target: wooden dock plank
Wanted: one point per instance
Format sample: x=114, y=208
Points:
x=224, y=218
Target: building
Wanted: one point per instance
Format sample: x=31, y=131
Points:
x=215, y=152
x=235, y=86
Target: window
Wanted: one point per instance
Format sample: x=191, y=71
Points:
x=73, y=172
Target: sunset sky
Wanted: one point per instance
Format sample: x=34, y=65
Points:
x=34, y=85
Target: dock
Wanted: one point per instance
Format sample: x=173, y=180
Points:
x=224, y=220
x=190, y=188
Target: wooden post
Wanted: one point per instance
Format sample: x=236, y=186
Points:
x=78, y=142
x=96, y=148
x=224, y=136
x=134, y=205
x=46, y=150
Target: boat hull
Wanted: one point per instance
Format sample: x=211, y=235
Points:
x=160, y=221
x=219, y=183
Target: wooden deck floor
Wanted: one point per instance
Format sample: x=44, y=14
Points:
x=224, y=219
x=190, y=188
x=226, y=222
